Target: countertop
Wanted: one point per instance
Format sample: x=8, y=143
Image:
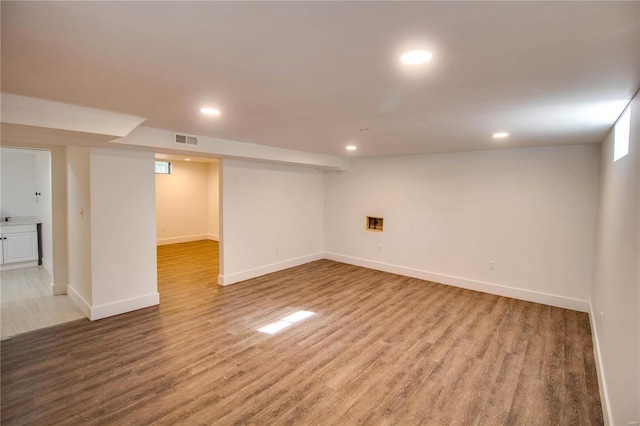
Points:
x=20, y=220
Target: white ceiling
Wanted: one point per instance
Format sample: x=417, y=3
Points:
x=310, y=75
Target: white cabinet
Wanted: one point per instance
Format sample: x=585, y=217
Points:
x=19, y=244
x=19, y=247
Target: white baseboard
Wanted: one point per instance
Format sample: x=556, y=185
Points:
x=124, y=306
x=115, y=308
x=267, y=269
x=58, y=289
x=79, y=301
x=18, y=265
x=185, y=239
x=213, y=237
x=499, y=290
x=47, y=266
x=602, y=382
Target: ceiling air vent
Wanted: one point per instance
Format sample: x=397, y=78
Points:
x=186, y=139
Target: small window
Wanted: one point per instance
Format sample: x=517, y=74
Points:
x=163, y=167
x=374, y=224
x=621, y=135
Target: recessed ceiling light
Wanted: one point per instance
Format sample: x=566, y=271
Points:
x=500, y=135
x=351, y=147
x=210, y=111
x=187, y=159
x=415, y=57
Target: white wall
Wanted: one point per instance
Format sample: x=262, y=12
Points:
x=616, y=284
x=43, y=205
x=272, y=218
x=79, y=227
x=214, y=201
x=447, y=216
x=182, y=203
x=18, y=182
x=59, y=218
x=123, y=231
x=111, y=223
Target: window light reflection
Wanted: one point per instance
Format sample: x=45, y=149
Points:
x=274, y=327
x=298, y=316
x=285, y=322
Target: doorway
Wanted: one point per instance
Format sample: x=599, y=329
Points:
x=26, y=219
x=187, y=218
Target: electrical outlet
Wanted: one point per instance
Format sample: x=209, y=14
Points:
x=492, y=265
x=277, y=249
x=601, y=318
x=380, y=248
x=164, y=229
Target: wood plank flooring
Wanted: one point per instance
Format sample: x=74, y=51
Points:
x=27, y=303
x=380, y=349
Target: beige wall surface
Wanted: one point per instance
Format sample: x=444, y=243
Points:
x=186, y=203
x=79, y=225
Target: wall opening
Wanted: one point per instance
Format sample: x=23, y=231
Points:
x=26, y=210
x=188, y=212
x=374, y=224
x=26, y=204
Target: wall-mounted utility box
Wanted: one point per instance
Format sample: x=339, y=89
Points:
x=374, y=224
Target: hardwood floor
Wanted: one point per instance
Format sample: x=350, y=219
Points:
x=379, y=349
x=27, y=303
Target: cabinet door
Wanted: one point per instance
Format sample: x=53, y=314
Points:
x=20, y=247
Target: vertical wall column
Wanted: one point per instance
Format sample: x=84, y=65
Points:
x=112, y=230
x=79, y=227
